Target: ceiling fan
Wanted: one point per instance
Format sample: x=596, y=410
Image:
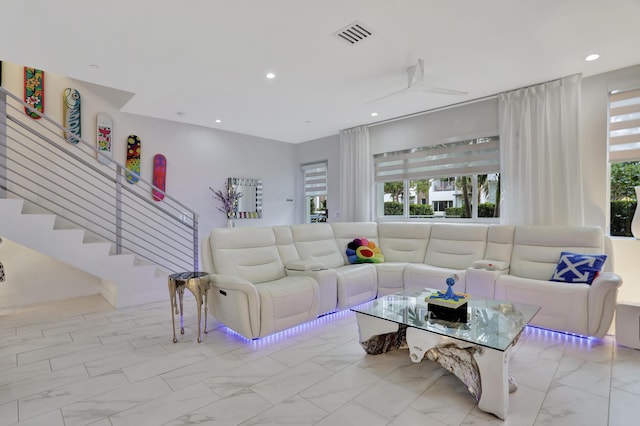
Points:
x=415, y=75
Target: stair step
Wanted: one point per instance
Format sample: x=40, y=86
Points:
x=30, y=208
x=64, y=224
x=72, y=235
x=12, y=206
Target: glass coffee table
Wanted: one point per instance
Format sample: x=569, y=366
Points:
x=477, y=350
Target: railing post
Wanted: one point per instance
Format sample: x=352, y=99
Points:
x=195, y=243
x=3, y=143
x=118, y=210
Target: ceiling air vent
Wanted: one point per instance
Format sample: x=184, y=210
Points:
x=354, y=32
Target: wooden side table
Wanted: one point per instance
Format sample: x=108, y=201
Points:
x=198, y=284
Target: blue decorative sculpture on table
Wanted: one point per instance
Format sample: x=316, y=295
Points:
x=449, y=294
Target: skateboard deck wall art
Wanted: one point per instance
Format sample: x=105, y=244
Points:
x=159, y=176
x=104, y=126
x=71, y=115
x=34, y=91
x=133, y=158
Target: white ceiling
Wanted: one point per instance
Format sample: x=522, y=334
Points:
x=197, y=60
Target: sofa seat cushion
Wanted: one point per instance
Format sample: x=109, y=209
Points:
x=356, y=284
x=287, y=302
x=419, y=276
x=564, y=306
x=390, y=277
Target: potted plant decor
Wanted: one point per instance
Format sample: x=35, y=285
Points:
x=229, y=199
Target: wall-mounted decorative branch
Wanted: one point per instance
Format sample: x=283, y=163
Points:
x=229, y=199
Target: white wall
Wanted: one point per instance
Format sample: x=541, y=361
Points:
x=197, y=157
x=32, y=277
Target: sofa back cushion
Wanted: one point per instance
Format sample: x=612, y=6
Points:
x=500, y=243
x=249, y=253
x=536, y=249
x=206, y=255
x=404, y=241
x=315, y=241
x=284, y=242
x=345, y=232
x=456, y=246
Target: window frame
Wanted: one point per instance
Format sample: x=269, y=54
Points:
x=318, y=172
x=478, y=156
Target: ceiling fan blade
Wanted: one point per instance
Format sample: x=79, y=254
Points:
x=441, y=90
x=387, y=96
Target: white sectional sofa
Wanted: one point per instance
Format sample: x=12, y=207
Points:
x=264, y=280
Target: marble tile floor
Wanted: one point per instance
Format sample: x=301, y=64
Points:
x=82, y=362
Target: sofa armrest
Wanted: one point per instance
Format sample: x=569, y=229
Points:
x=305, y=265
x=490, y=265
x=327, y=284
x=482, y=282
x=602, y=302
x=235, y=302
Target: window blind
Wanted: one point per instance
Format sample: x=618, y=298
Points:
x=471, y=157
x=624, y=126
x=315, y=179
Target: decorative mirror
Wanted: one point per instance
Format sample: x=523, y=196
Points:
x=250, y=204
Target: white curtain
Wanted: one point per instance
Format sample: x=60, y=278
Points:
x=356, y=175
x=541, y=174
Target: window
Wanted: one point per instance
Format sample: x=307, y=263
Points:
x=439, y=207
x=315, y=192
x=393, y=198
x=624, y=158
x=459, y=179
x=444, y=184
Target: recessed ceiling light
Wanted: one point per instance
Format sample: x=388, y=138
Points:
x=270, y=75
x=592, y=57
x=374, y=114
x=218, y=120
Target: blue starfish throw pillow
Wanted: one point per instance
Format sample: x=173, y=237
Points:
x=578, y=268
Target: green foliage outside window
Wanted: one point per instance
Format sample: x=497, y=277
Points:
x=486, y=210
x=395, y=189
x=392, y=208
x=420, y=210
x=624, y=177
x=395, y=209
x=454, y=212
x=621, y=217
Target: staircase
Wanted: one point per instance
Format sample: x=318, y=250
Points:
x=57, y=199
x=125, y=279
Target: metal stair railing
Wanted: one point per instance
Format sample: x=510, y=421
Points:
x=39, y=165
